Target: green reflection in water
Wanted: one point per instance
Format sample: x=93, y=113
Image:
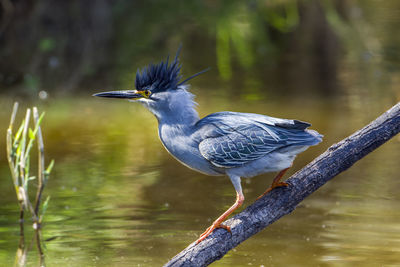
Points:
x=118, y=198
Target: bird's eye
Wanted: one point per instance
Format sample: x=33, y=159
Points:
x=147, y=93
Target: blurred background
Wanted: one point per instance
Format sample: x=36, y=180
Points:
x=118, y=198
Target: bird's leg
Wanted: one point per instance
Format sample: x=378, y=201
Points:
x=217, y=222
x=275, y=183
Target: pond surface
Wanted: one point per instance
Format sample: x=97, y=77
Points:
x=119, y=199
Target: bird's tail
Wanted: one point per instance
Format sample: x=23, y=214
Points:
x=317, y=137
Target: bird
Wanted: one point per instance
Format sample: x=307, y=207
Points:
x=238, y=145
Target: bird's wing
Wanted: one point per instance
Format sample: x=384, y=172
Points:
x=232, y=139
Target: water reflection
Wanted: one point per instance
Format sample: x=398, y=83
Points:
x=24, y=248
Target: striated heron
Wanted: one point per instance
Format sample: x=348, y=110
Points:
x=223, y=143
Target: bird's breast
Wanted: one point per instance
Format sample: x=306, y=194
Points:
x=179, y=142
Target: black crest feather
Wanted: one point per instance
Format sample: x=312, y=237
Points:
x=162, y=76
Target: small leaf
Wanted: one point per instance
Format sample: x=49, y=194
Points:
x=37, y=125
x=40, y=119
x=50, y=167
x=31, y=134
x=27, y=167
x=19, y=132
x=18, y=151
x=32, y=178
x=44, y=207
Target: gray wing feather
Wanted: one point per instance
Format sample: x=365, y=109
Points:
x=238, y=138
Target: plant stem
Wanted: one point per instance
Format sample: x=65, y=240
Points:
x=40, y=164
x=10, y=147
x=23, y=141
x=23, y=188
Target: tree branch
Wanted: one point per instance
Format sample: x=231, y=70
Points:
x=281, y=201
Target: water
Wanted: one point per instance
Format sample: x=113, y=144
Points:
x=118, y=198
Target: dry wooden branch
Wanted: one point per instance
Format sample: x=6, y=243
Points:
x=282, y=201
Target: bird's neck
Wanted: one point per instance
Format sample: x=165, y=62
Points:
x=179, y=111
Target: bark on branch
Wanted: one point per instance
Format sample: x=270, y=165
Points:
x=282, y=201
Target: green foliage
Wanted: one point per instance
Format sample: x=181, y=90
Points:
x=44, y=208
x=19, y=148
x=49, y=168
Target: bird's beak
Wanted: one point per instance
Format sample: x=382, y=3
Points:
x=127, y=94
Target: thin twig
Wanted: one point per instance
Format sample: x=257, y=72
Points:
x=23, y=146
x=10, y=145
x=13, y=169
x=40, y=162
x=13, y=114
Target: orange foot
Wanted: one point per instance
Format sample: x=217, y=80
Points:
x=276, y=183
x=210, y=230
x=280, y=184
x=218, y=222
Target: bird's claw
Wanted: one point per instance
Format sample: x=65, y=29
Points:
x=210, y=229
x=226, y=227
x=280, y=184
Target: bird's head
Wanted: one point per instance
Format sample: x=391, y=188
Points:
x=157, y=85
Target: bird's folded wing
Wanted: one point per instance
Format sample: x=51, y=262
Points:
x=236, y=138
